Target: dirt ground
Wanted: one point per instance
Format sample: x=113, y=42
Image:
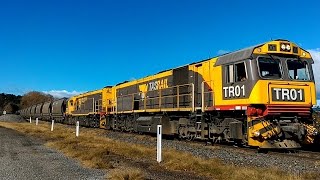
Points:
x=23, y=157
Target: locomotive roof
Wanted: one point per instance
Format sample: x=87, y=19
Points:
x=227, y=58
x=242, y=54
x=230, y=57
x=236, y=55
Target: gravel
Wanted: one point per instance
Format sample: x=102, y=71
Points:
x=11, y=118
x=25, y=158
x=229, y=155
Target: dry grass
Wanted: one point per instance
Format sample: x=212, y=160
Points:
x=215, y=168
x=126, y=174
x=95, y=150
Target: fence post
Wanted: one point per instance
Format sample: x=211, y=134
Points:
x=159, y=138
x=30, y=119
x=37, y=121
x=77, y=129
x=52, y=125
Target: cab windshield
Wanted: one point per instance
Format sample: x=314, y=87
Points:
x=269, y=68
x=298, y=70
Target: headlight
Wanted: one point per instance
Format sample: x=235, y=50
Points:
x=283, y=46
x=315, y=132
x=288, y=47
x=256, y=133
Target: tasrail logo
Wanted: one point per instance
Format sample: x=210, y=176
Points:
x=154, y=85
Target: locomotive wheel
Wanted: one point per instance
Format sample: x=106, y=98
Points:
x=183, y=132
x=190, y=136
x=245, y=140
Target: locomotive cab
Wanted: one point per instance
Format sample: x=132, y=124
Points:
x=283, y=95
x=285, y=71
x=270, y=88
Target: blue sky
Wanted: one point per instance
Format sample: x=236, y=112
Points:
x=76, y=46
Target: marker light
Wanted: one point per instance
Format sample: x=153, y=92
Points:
x=288, y=47
x=315, y=132
x=259, y=49
x=256, y=133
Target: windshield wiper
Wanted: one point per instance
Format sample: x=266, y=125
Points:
x=271, y=57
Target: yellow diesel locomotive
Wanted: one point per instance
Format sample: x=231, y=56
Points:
x=87, y=108
x=260, y=96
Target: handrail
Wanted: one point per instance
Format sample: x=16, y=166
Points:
x=193, y=97
x=203, y=92
x=160, y=96
x=202, y=96
x=93, y=105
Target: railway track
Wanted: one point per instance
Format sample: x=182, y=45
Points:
x=303, y=154
x=308, y=154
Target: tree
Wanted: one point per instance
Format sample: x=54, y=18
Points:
x=5, y=99
x=33, y=98
x=11, y=108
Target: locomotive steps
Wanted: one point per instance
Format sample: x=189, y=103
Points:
x=126, y=155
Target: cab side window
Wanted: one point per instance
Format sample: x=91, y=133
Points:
x=240, y=72
x=230, y=75
x=236, y=72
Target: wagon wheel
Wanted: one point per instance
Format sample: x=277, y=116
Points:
x=122, y=128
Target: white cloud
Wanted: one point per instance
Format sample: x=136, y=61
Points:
x=221, y=51
x=62, y=93
x=315, y=53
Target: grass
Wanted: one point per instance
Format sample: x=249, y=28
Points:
x=126, y=174
x=93, y=149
